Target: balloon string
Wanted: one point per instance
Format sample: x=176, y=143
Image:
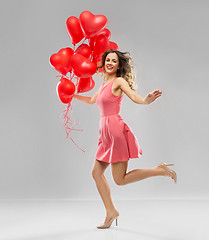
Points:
x=70, y=78
x=67, y=122
x=76, y=83
x=59, y=75
x=84, y=40
x=64, y=76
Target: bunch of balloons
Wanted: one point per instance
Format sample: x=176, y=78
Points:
x=80, y=62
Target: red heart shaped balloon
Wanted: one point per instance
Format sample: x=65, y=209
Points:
x=65, y=90
x=84, y=50
x=64, y=98
x=67, y=86
x=113, y=45
x=92, y=24
x=61, y=61
x=105, y=32
x=82, y=66
x=101, y=45
x=74, y=29
x=85, y=84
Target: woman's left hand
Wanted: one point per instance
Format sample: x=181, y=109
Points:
x=152, y=96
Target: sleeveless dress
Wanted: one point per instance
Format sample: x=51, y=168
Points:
x=116, y=142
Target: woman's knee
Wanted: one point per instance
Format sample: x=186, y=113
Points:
x=96, y=173
x=119, y=172
x=119, y=181
x=98, y=169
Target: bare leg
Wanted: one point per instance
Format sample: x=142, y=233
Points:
x=140, y=174
x=103, y=187
x=122, y=178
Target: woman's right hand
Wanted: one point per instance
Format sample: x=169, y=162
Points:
x=82, y=98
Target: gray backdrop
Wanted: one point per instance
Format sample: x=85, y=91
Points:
x=168, y=41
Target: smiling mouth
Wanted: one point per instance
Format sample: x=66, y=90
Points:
x=109, y=67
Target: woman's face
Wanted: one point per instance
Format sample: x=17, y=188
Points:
x=111, y=63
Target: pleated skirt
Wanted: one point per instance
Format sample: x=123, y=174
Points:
x=117, y=141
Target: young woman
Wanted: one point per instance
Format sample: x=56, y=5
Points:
x=117, y=143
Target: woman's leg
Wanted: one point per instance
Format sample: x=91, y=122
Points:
x=121, y=177
x=103, y=187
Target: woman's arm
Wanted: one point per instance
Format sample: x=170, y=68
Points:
x=89, y=100
x=123, y=84
x=82, y=98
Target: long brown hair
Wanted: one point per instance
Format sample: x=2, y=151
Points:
x=125, y=66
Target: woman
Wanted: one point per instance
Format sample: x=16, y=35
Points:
x=117, y=143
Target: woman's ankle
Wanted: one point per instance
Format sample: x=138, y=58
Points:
x=160, y=171
x=110, y=210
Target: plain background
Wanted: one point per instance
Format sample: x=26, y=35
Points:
x=168, y=41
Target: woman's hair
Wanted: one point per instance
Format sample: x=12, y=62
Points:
x=125, y=66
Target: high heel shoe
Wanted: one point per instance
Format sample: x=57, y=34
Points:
x=164, y=166
x=108, y=224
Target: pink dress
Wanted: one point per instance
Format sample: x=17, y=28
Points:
x=117, y=142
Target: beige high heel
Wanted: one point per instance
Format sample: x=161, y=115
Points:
x=108, y=224
x=164, y=166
